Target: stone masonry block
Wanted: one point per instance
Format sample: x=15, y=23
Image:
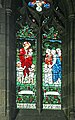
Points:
x=2, y=39
x=2, y=84
x=2, y=27
x=2, y=73
x=2, y=15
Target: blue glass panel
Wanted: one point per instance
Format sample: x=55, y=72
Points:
x=52, y=72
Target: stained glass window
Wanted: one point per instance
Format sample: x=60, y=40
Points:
x=51, y=70
x=38, y=57
x=26, y=68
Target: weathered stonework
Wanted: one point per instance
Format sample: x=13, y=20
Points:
x=7, y=68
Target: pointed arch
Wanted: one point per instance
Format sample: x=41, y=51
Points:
x=68, y=9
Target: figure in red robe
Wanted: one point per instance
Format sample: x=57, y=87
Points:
x=48, y=58
x=25, y=57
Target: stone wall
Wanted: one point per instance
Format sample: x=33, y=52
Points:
x=7, y=72
x=68, y=67
x=2, y=65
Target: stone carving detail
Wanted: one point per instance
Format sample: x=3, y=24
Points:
x=5, y=3
x=0, y=3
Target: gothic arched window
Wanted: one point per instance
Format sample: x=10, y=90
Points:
x=38, y=55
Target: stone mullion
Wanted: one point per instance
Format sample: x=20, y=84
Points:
x=71, y=62
x=10, y=41
x=8, y=13
x=68, y=69
x=39, y=68
x=65, y=68
x=2, y=65
x=74, y=59
x=74, y=64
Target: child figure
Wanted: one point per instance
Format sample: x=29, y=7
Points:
x=48, y=58
x=50, y=74
x=20, y=74
x=31, y=73
x=46, y=73
x=30, y=52
x=48, y=64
